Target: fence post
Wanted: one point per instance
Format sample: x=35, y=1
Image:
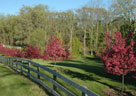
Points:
x=11, y=60
x=38, y=69
x=21, y=67
x=54, y=78
x=0, y=59
x=8, y=62
x=13, y=63
x=84, y=94
x=16, y=64
x=5, y=61
x=28, y=69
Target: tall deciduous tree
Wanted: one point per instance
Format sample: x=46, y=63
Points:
x=126, y=11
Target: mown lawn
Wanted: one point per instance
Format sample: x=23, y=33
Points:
x=13, y=84
x=90, y=72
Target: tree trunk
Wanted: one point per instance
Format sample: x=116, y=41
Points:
x=71, y=37
x=122, y=91
x=84, y=42
x=92, y=41
x=55, y=61
x=96, y=45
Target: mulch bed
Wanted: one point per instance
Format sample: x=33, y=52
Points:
x=113, y=92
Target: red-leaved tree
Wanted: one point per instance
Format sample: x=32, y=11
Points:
x=118, y=56
x=32, y=52
x=19, y=53
x=55, y=50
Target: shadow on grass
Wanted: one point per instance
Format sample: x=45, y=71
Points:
x=92, y=78
x=75, y=61
x=80, y=75
x=88, y=68
x=92, y=68
x=96, y=59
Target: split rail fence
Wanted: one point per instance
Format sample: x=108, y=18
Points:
x=24, y=66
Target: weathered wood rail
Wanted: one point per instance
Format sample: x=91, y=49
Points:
x=24, y=66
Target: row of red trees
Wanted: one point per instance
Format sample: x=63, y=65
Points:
x=54, y=51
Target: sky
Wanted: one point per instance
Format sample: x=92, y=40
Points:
x=13, y=6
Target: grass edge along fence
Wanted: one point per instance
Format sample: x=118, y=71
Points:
x=18, y=64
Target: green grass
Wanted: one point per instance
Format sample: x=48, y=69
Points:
x=89, y=72
x=13, y=84
x=86, y=71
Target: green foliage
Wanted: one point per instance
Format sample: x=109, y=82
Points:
x=38, y=38
x=58, y=35
x=76, y=47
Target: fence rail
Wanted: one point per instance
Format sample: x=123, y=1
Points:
x=24, y=66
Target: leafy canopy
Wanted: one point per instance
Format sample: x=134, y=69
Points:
x=118, y=56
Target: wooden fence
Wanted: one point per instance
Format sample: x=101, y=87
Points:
x=23, y=67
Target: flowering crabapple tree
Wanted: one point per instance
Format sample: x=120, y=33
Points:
x=118, y=56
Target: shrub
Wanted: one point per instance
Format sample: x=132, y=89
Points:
x=19, y=53
x=32, y=52
x=11, y=52
x=76, y=47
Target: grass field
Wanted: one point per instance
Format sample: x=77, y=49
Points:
x=90, y=72
x=86, y=71
x=12, y=84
